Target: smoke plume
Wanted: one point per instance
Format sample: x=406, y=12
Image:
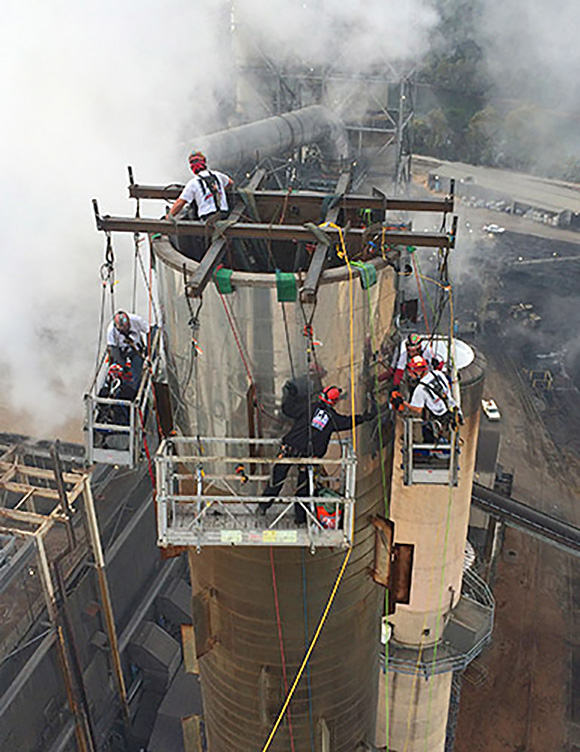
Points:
x=88, y=90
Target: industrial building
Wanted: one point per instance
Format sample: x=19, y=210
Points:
x=147, y=604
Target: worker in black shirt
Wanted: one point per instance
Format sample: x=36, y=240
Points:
x=309, y=437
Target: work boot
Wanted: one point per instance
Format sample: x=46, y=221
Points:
x=299, y=514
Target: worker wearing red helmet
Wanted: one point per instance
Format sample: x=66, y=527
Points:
x=409, y=348
x=118, y=390
x=206, y=191
x=431, y=394
x=310, y=437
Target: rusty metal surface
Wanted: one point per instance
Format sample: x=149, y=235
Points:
x=384, y=532
x=401, y=575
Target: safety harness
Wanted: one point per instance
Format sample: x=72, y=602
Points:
x=212, y=184
x=130, y=344
x=452, y=416
x=437, y=390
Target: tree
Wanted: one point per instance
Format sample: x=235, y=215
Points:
x=482, y=137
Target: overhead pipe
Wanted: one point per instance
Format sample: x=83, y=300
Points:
x=527, y=518
x=276, y=135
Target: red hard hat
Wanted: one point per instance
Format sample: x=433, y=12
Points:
x=122, y=322
x=417, y=366
x=330, y=395
x=197, y=161
x=115, y=371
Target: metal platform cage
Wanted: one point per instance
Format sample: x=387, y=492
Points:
x=429, y=462
x=209, y=492
x=467, y=631
x=119, y=441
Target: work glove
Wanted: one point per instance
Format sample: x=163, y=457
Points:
x=397, y=401
x=437, y=363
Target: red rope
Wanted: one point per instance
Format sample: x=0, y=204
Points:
x=281, y=644
x=146, y=448
x=425, y=319
x=234, y=332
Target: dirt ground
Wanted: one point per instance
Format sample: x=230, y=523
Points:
x=522, y=693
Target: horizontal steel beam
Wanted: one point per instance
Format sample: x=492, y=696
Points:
x=269, y=232
x=311, y=198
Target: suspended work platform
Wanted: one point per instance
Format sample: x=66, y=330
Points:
x=114, y=427
x=429, y=460
x=209, y=491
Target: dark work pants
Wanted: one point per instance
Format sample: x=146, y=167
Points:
x=279, y=474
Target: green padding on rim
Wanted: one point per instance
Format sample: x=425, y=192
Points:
x=368, y=274
x=328, y=493
x=286, y=286
x=223, y=280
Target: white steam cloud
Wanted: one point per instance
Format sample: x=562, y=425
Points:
x=88, y=89
x=351, y=34
x=534, y=44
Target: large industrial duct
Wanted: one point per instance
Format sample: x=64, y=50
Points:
x=249, y=143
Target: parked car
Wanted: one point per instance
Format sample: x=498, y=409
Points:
x=490, y=409
x=493, y=229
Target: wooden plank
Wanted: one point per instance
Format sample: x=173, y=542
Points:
x=24, y=488
x=191, y=728
x=38, y=472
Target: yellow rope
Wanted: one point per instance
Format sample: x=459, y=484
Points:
x=435, y=282
x=309, y=651
x=343, y=254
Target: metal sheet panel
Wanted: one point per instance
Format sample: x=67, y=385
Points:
x=249, y=338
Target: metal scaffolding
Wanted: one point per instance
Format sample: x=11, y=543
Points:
x=387, y=89
x=38, y=500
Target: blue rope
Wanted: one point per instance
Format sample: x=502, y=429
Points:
x=306, y=641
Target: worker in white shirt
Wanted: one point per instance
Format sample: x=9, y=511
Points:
x=206, y=191
x=410, y=348
x=126, y=343
x=431, y=399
